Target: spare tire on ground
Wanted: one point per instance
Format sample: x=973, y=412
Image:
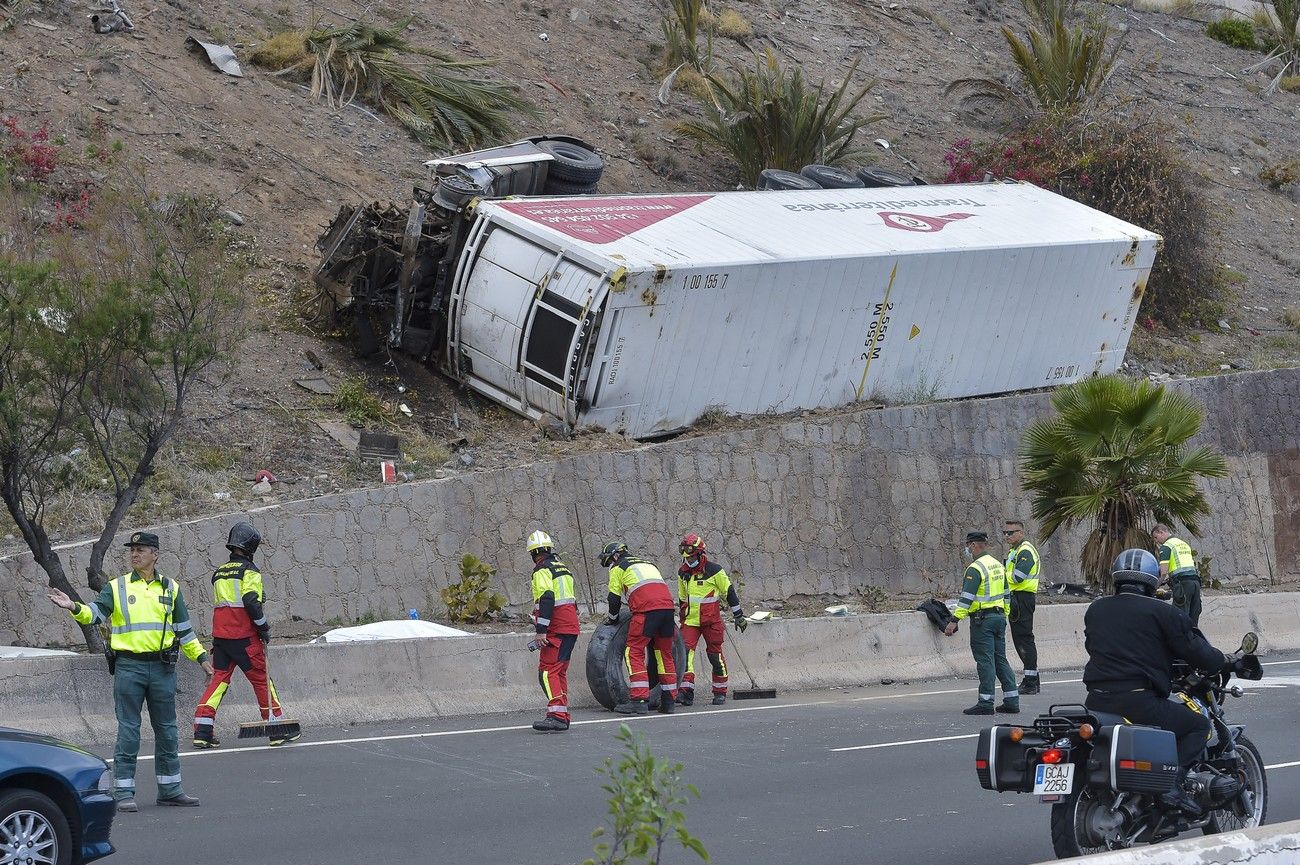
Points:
x=873, y=177
x=830, y=177
x=775, y=178
x=572, y=163
x=606, y=675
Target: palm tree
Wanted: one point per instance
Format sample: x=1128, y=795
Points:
x=1115, y=454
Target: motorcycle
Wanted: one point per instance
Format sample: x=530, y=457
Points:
x=1104, y=777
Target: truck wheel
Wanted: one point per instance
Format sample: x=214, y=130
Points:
x=571, y=163
x=606, y=675
x=775, y=178
x=830, y=177
x=874, y=177
x=560, y=187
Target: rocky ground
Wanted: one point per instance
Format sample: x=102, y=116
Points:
x=283, y=164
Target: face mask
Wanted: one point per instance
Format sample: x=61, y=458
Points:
x=965, y=551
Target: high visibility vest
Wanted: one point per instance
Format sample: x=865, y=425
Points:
x=642, y=584
x=230, y=583
x=553, y=576
x=992, y=592
x=701, y=593
x=1181, y=561
x=1031, y=584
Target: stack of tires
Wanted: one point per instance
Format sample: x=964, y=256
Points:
x=573, y=170
x=830, y=177
x=606, y=671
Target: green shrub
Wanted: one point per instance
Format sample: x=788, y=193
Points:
x=1237, y=32
x=1130, y=172
x=645, y=798
x=361, y=407
x=472, y=599
x=770, y=117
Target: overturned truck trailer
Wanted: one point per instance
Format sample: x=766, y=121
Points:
x=639, y=313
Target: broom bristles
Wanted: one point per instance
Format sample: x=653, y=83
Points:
x=269, y=729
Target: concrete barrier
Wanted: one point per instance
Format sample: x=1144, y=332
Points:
x=1266, y=845
x=342, y=683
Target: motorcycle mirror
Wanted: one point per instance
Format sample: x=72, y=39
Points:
x=1249, y=643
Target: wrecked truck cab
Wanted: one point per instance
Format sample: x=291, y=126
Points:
x=532, y=166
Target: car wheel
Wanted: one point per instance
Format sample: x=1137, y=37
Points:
x=571, y=163
x=33, y=829
x=830, y=177
x=606, y=675
x=875, y=177
x=560, y=187
x=775, y=178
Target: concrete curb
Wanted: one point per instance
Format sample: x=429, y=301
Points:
x=1266, y=845
x=346, y=683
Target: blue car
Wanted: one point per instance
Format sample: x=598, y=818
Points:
x=56, y=801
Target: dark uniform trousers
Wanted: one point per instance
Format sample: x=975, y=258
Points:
x=1186, y=593
x=988, y=644
x=1191, y=728
x=1022, y=628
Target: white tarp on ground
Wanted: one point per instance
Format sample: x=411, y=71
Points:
x=29, y=652
x=398, y=629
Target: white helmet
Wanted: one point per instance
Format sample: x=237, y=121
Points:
x=539, y=541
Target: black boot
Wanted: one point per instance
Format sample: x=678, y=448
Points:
x=1029, y=685
x=633, y=707
x=204, y=739
x=550, y=724
x=1178, y=799
x=719, y=699
x=686, y=697
x=978, y=709
x=666, y=706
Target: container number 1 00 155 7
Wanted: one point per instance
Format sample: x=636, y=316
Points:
x=692, y=281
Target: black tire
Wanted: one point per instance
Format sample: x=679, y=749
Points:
x=606, y=675
x=1070, y=820
x=49, y=824
x=775, y=178
x=572, y=163
x=1227, y=819
x=874, y=177
x=559, y=187
x=830, y=177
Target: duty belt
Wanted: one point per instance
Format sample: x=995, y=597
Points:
x=139, y=656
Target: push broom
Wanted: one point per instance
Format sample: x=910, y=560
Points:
x=754, y=692
x=274, y=728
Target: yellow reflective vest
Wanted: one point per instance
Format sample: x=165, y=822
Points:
x=142, y=617
x=1030, y=584
x=1181, y=561
x=984, y=588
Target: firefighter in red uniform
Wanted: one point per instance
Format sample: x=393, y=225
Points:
x=652, y=625
x=240, y=633
x=555, y=617
x=701, y=586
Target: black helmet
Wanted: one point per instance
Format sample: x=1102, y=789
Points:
x=1138, y=567
x=243, y=537
x=612, y=551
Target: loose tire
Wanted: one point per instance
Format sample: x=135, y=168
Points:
x=775, y=178
x=874, y=177
x=559, y=187
x=606, y=675
x=29, y=817
x=1227, y=819
x=571, y=163
x=830, y=177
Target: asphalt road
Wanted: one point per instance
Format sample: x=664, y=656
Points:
x=776, y=785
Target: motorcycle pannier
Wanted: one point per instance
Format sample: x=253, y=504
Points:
x=1133, y=759
x=1000, y=763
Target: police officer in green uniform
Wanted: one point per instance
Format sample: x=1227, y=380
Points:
x=148, y=626
x=984, y=601
x=1178, y=568
x=1022, y=578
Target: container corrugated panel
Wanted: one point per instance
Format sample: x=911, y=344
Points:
x=759, y=302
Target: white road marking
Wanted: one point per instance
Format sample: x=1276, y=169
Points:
x=1283, y=765
x=624, y=718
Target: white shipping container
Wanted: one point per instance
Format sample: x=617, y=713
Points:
x=641, y=312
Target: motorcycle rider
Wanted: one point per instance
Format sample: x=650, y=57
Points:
x=1132, y=640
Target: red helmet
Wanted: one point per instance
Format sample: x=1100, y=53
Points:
x=692, y=548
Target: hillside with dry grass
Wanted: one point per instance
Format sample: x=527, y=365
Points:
x=282, y=161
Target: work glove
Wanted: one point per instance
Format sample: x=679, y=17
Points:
x=264, y=634
x=741, y=622
x=611, y=619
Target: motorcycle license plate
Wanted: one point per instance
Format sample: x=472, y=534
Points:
x=1053, y=779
